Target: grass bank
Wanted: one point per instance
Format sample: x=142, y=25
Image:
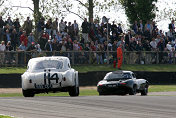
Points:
x=2, y=116
x=87, y=68
x=93, y=92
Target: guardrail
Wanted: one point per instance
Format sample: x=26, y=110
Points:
x=21, y=58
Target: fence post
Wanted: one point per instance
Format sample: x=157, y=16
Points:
x=73, y=58
x=157, y=57
x=16, y=58
x=174, y=58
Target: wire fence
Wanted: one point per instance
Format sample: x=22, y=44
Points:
x=21, y=58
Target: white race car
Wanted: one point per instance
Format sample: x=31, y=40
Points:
x=50, y=74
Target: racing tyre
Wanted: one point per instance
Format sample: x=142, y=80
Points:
x=28, y=93
x=133, y=91
x=74, y=91
x=145, y=91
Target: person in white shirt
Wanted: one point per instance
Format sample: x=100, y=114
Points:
x=153, y=43
x=168, y=46
x=2, y=49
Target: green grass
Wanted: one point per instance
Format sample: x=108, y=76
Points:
x=87, y=68
x=93, y=92
x=1, y=116
x=162, y=88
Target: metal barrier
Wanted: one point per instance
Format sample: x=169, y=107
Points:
x=21, y=58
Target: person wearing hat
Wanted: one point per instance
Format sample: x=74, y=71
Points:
x=119, y=56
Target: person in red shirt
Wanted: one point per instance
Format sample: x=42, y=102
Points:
x=119, y=56
x=23, y=38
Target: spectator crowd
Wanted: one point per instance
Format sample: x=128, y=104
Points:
x=93, y=35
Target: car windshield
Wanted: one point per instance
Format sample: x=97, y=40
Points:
x=48, y=64
x=118, y=76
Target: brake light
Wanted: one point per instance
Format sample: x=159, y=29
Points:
x=123, y=83
x=100, y=85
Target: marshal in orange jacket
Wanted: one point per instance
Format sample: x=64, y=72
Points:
x=119, y=56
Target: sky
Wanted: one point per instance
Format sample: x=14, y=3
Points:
x=119, y=17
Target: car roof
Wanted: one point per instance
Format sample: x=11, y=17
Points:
x=65, y=60
x=121, y=71
x=48, y=58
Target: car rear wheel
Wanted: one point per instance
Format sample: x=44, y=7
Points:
x=28, y=93
x=144, y=91
x=133, y=90
x=74, y=91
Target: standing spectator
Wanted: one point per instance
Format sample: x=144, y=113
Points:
x=41, y=26
x=153, y=44
x=58, y=37
x=169, y=46
x=132, y=45
x=147, y=34
x=32, y=49
x=172, y=26
x=161, y=47
x=119, y=29
x=49, y=26
x=69, y=45
x=8, y=53
x=170, y=35
x=30, y=39
x=49, y=48
x=99, y=54
x=2, y=49
x=55, y=27
x=27, y=26
x=9, y=22
x=76, y=29
x=70, y=29
x=61, y=26
x=2, y=23
x=38, y=48
x=24, y=39
x=17, y=25
x=135, y=27
x=149, y=26
x=21, y=50
x=7, y=36
x=114, y=28
x=113, y=37
x=55, y=45
x=14, y=39
x=85, y=30
x=128, y=37
x=141, y=26
x=43, y=40
x=119, y=56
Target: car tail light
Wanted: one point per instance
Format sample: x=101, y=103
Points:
x=123, y=83
x=100, y=84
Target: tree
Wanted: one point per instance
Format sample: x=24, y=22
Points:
x=139, y=9
x=91, y=8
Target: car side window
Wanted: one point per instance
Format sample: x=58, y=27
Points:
x=69, y=65
x=133, y=75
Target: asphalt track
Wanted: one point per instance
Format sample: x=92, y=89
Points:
x=90, y=107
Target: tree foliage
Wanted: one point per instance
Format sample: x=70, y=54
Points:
x=91, y=8
x=139, y=9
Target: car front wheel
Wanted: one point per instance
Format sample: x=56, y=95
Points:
x=144, y=91
x=28, y=93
